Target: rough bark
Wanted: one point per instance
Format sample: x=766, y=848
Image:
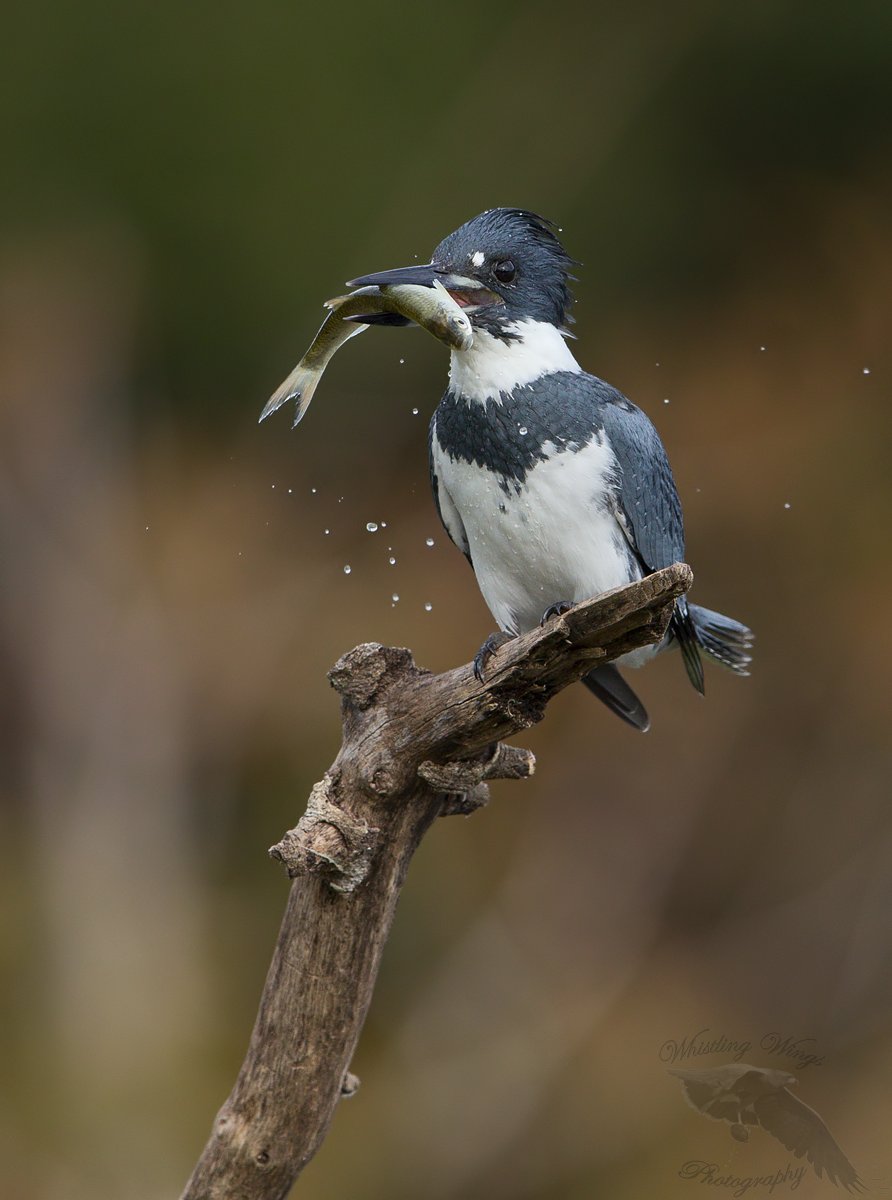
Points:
x=415, y=746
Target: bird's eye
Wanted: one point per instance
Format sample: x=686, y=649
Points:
x=504, y=271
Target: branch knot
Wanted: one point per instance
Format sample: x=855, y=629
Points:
x=328, y=841
x=464, y=781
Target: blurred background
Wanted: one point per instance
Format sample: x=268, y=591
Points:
x=183, y=185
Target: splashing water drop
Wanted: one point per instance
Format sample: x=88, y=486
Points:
x=347, y=569
x=372, y=526
x=428, y=606
x=392, y=561
x=414, y=412
x=395, y=598
x=428, y=541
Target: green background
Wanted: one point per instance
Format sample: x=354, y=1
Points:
x=182, y=186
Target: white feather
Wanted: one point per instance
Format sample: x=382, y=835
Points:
x=554, y=540
x=491, y=366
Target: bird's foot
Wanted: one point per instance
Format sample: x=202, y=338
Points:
x=556, y=610
x=486, y=651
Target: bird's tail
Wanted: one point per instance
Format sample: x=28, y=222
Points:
x=727, y=641
x=609, y=686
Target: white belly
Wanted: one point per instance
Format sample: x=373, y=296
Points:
x=556, y=539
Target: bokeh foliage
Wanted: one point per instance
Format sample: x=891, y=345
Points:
x=182, y=187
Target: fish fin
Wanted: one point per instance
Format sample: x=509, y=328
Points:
x=300, y=386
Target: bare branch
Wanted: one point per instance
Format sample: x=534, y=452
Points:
x=416, y=746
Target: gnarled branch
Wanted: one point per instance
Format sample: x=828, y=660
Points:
x=416, y=746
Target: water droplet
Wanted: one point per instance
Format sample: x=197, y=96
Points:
x=372, y=526
x=312, y=491
x=291, y=491
x=383, y=524
x=665, y=399
x=347, y=569
x=522, y=430
x=402, y=362
x=428, y=541
x=147, y=529
x=761, y=347
x=428, y=606
x=340, y=499
x=787, y=505
x=656, y=364
x=392, y=561
x=273, y=486
x=414, y=412
x=327, y=532
x=395, y=598
x=865, y=370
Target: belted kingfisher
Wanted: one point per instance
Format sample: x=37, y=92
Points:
x=554, y=486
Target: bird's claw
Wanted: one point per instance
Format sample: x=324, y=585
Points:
x=555, y=610
x=486, y=651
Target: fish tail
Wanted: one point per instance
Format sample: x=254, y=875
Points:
x=299, y=386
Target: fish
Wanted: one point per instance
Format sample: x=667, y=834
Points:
x=430, y=307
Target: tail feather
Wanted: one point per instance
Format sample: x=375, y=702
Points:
x=727, y=641
x=609, y=686
x=682, y=629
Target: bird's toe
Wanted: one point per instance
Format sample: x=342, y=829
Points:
x=486, y=651
x=555, y=610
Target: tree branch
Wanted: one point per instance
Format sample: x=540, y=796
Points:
x=416, y=746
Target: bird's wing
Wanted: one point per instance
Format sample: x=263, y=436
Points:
x=647, y=493
x=446, y=510
x=708, y=1091
x=649, y=507
x=801, y=1130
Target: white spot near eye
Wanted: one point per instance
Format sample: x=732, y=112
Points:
x=477, y=258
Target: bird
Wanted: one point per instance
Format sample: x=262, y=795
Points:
x=745, y=1095
x=553, y=484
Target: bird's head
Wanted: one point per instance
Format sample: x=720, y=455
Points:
x=503, y=267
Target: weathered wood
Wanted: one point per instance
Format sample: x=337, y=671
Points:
x=415, y=746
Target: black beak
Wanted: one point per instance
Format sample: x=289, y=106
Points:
x=468, y=292
x=423, y=276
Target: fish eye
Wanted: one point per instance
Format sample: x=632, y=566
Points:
x=504, y=270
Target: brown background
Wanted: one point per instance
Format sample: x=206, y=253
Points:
x=183, y=186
